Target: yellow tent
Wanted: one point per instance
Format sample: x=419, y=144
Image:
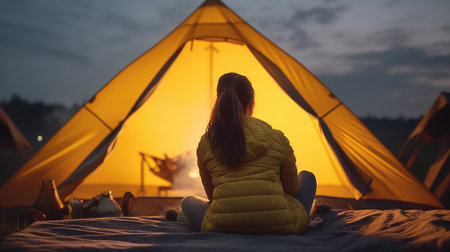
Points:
x=15, y=150
x=160, y=103
x=11, y=136
x=426, y=152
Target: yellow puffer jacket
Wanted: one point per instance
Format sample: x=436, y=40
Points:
x=259, y=195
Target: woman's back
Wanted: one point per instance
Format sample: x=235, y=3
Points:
x=256, y=196
x=248, y=171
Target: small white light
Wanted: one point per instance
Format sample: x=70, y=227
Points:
x=39, y=138
x=194, y=173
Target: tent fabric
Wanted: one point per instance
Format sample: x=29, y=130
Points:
x=97, y=155
x=435, y=123
x=426, y=151
x=160, y=104
x=15, y=150
x=11, y=136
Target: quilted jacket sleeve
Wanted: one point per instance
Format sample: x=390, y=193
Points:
x=288, y=170
x=204, y=173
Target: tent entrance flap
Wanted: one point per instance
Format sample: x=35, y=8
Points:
x=101, y=151
x=361, y=182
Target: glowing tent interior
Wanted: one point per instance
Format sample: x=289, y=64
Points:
x=160, y=103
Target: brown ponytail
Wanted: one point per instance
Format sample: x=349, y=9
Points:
x=235, y=96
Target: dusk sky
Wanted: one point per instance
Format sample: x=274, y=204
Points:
x=381, y=58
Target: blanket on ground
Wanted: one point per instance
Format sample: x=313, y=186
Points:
x=342, y=230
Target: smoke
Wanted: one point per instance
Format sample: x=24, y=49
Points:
x=187, y=181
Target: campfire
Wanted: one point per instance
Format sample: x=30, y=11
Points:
x=180, y=170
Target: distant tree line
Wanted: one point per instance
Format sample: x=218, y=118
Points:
x=392, y=132
x=36, y=119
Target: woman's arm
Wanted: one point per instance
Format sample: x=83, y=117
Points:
x=288, y=171
x=202, y=149
x=206, y=181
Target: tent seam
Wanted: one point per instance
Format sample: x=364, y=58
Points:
x=98, y=118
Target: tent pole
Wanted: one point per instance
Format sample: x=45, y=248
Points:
x=211, y=61
x=142, y=189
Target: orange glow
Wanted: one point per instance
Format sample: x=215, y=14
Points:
x=194, y=174
x=174, y=118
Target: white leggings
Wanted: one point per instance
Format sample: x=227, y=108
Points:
x=194, y=207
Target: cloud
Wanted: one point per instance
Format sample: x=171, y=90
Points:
x=392, y=3
x=320, y=15
x=414, y=69
x=30, y=38
x=176, y=8
x=124, y=22
x=60, y=14
x=438, y=76
x=393, y=37
x=300, y=38
x=341, y=65
x=440, y=48
x=399, y=80
x=375, y=40
x=429, y=80
x=30, y=28
x=414, y=65
x=404, y=56
x=446, y=27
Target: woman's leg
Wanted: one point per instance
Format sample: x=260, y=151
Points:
x=307, y=189
x=194, y=208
